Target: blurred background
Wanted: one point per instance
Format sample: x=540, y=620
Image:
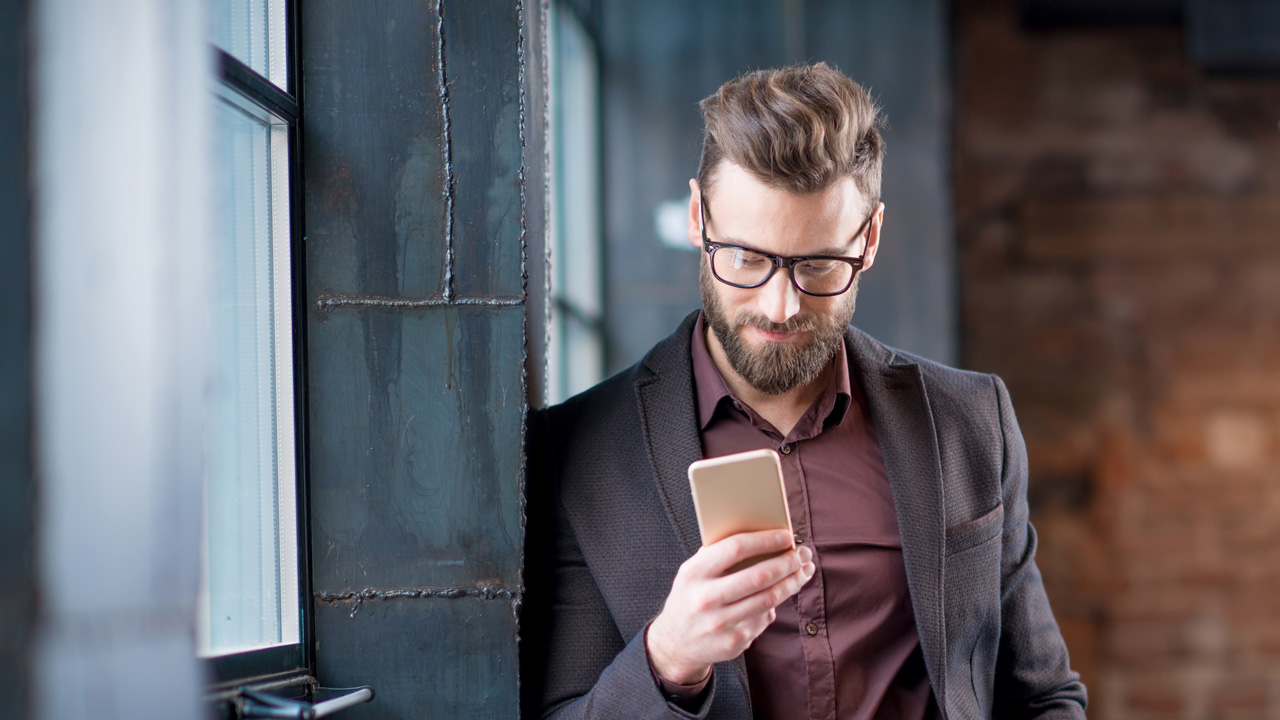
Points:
x=280, y=280
x=1116, y=184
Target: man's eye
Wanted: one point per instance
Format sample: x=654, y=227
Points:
x=818, y=267
x=748, y=260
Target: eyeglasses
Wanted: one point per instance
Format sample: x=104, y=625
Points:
x=819, y=275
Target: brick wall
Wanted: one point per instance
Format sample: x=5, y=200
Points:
x=1118, y=218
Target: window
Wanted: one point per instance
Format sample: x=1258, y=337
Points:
x=253, y=599
x=575, y=348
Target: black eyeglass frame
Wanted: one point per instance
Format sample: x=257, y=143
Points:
x=780, y=261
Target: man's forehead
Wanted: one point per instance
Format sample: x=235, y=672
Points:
x=735, y=186
x=743, y=210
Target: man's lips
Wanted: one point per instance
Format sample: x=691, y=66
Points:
x=771, y=336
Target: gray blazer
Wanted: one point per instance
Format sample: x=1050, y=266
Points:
x=610, y=520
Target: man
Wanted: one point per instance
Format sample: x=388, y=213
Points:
x=912, y=591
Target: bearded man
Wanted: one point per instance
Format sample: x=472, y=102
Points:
x=911, y=590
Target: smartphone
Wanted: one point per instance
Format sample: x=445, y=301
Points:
x=740, y=493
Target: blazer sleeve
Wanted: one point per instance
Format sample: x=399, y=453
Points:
x=574, y=663
x=1033, y=675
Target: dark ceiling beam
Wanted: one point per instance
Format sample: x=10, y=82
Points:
x=1234, y=35
x=1050, y=14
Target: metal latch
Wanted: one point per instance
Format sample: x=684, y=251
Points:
x=254, y=704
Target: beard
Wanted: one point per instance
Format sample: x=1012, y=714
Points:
x=777, y=367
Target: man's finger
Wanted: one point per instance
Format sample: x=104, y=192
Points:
x=722, y=555
x=770, y=597
x=749, y=581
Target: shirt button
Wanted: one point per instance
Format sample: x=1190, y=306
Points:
x=785, y=449
x=799, y=540
x=737, y=406
x=811, y=629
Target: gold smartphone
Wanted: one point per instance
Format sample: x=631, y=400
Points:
x=740, y=493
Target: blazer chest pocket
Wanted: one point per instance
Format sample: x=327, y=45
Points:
x=975, y=532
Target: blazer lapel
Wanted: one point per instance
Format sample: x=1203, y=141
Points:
x=668, y=419
x=669, y=422
x=899, y=408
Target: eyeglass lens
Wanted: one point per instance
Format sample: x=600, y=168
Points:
x=739, y=266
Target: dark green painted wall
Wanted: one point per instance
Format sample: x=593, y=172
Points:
x=416, y=122
x=17, y=486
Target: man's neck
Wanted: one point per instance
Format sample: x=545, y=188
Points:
x=782, y=411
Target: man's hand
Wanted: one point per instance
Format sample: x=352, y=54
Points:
x=710, y=617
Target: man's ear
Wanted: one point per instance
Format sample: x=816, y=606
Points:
x=873, y=236
x=695, y=214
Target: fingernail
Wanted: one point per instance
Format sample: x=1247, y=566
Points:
x=805, y=554
x=809, y=569
x=782, y=538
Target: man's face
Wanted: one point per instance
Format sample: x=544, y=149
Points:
x=775, y=337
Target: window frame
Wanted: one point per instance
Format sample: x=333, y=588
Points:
x=567, y=316
x=280, y=667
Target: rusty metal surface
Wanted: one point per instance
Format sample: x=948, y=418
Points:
x=374, y=184
x=414, y=138
x=482, y=51
x=415, y=434
x=453, y=661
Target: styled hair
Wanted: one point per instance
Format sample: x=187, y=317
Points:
x=799, y=128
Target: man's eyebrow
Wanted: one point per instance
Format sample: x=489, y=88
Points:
x=839, y=251
x=736, y=242
x=827, y=251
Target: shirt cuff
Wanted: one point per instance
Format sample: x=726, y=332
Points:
x=686, y=697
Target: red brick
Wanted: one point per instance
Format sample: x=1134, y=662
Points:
x=1156, y=230
x=1240, y=698
x=1156, y=697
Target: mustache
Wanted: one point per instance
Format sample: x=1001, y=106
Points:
x=794, y=324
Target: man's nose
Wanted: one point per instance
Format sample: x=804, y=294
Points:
x=779, y=299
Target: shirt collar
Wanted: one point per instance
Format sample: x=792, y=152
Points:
x=711, y=389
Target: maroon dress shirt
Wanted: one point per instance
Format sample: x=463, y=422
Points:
x=846, y=645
